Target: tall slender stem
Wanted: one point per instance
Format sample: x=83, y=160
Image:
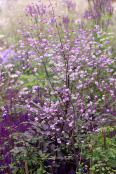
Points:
x=26, y=167
x=91, y=159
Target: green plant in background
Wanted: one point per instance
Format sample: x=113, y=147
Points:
x=100, y=13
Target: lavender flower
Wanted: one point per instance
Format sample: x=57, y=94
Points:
x=97, y=11
x=7, y=56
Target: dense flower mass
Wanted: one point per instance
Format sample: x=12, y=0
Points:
x=60, y=95
x=78, y=66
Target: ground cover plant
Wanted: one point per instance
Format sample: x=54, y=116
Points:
x=58, y=101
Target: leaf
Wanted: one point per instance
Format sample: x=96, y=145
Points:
x=96, y=103
x=39, y=170
x=112, y=103
x=66, y=135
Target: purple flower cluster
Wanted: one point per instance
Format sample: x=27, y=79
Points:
x=66, y=19
x=35, y=12
x=70, y=4
x=10, y=123
x=7, y=56
x=99, y=11
x=79, y=86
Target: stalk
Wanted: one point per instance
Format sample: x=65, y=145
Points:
x=26, y=167
x=91, y=160
x=105, y=148
x=80, y=171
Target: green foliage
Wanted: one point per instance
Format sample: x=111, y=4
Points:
x=102, y=158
